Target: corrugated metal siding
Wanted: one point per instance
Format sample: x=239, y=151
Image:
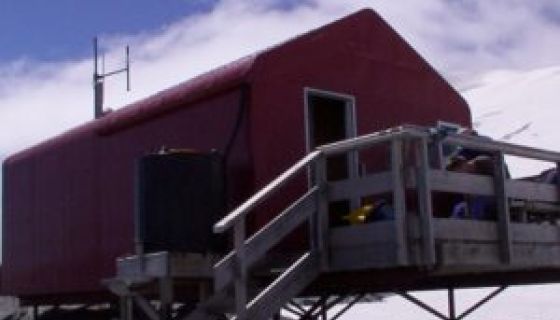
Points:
x=68, y=202
x=69, y=209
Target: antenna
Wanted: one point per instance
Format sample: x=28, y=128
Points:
x=99, y=78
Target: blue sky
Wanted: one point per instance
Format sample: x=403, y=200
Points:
x=62, y=29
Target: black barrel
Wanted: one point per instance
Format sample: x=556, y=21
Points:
x=179, y=196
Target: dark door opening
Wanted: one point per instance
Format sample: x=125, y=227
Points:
x=330, y=118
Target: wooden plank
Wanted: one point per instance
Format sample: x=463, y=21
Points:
x=399, y=200
x=536, y=207
x=534, y=233
x=363, y=141
x=362, y=235
x=425, y=204
x=284, y=223
x=468, y=254
x=372, y=256
x=272, y=233
x=532, y=191
x=286, y=286
x=229, y=220
x=458, y=182
x=465, y=230
x=533, y=256
x=476, y=143
x=502, y=206
x=487, y=255
x=371, y=184
x=487, y=231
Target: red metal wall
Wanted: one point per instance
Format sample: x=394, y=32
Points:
x=360, y=56
x=68, y=210
x=68, y=203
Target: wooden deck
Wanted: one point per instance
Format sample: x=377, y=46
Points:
x=414, y=251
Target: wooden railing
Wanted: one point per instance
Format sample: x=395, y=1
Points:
x=234, y=267
x=425, y=175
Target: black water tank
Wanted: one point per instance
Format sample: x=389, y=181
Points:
x=179, y=196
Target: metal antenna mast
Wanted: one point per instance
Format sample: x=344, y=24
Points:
x=99, y=78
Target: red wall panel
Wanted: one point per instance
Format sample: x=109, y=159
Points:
x=69, y=208
x=68, y=203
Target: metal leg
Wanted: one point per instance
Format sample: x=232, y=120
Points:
x=348, y=306
x=309, y=313
x=422, y=305
x=293, y=310
x=296, y=306
x=481, y=302
x=451, y=301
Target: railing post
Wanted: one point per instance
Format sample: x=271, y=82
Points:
x=399, y=201
x=320, y=220
x=166, y=298
x=241, y=297
x=502, y=207
x=438, y=160
x=557, y=177
x=425, y=202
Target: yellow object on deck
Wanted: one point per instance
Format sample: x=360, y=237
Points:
x=359, y=215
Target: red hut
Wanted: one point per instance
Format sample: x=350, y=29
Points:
x=68, y=202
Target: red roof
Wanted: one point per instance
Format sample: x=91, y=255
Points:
x=205, y=85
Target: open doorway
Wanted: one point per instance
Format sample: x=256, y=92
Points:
x=331, y=117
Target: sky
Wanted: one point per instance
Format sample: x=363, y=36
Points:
x=46, y=46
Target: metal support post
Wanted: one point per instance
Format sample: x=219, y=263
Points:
x=451, y=303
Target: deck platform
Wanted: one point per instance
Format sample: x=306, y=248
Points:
x=416, y=249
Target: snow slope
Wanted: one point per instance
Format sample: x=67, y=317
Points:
x=520, y=107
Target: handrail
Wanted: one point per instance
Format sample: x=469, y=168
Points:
x=229, y=220
x=375, y=138
x=475, y=142
x=367, y=140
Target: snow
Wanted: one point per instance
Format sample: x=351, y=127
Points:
x=519, y=107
